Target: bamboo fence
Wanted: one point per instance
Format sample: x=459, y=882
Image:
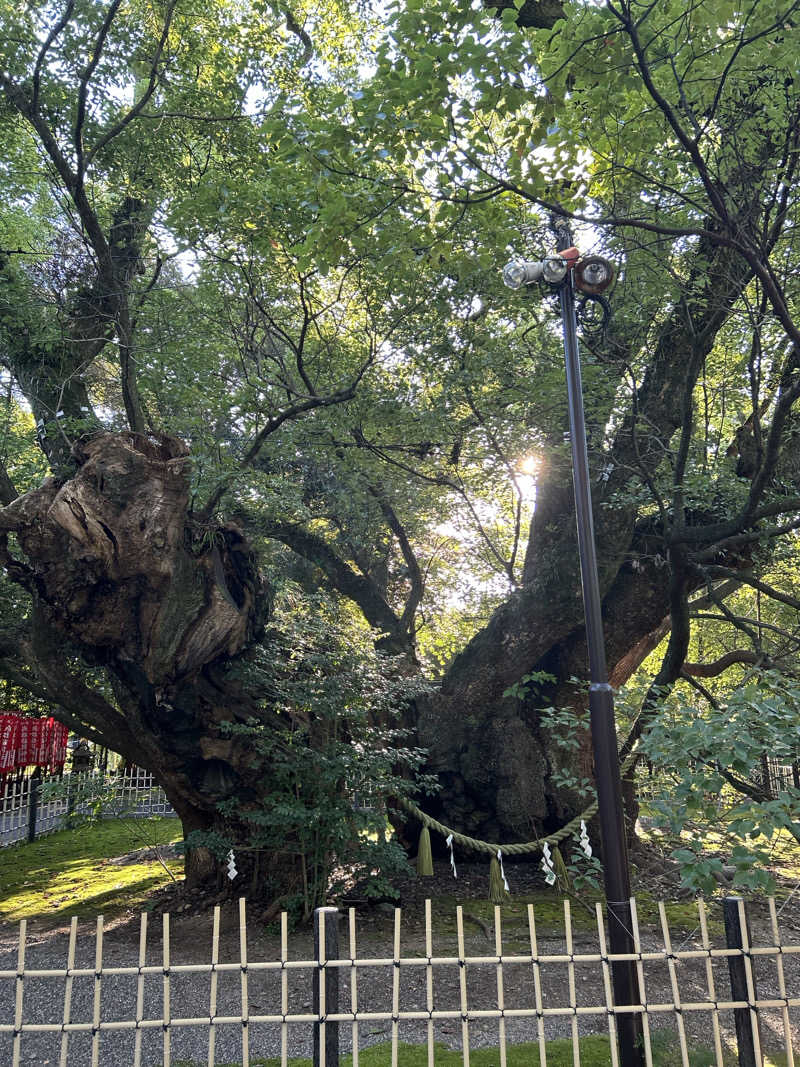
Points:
x=679, y=985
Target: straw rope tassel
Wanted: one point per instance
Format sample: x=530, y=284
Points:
x=424, y=854
x=562, y=874
x=498, y=894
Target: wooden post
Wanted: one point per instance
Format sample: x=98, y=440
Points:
x=326, y=987
x=69, y=820
x=747, y=1040
x=766, y=775
x=33, y=804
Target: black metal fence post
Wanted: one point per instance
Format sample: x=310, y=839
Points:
x=326, y=985
x=734, y=938
x=33, y=804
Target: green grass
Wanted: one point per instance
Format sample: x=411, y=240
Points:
x=67, y=873
x=594, y=1053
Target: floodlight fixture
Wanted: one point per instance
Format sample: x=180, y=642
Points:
x=593, y=274
x=554, y=269
x=520, y=272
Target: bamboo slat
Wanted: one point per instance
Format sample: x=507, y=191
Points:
x=498, y=947
x=353, y=983
x=429, y=980
x=748, y=971
x=243, y=963
x=73, y=936
x=165, y=986
x=637, y=944
x=573, y=1001
x=710, y=983
x=212, y=997
x=537, y=987
x=322, y=989
x=396, y=989
x=612, y=1022
x=462, y=984
x=19, y=992
x=417, y=961
x=137, y=1041
x=98, y=979
x=285, y=990
x=673, y=977
x=787, y=1029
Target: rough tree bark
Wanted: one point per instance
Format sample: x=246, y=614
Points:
x=121, y=575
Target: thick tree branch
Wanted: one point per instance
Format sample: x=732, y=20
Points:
x=294, y=411
x=750, y=579
x=356, y=587
x=7, y=490
x=73, y=182
x=712, y=670
x=48, y=43
x=414, y=573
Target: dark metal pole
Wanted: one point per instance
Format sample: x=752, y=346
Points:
x=745, y=1041
x=33, y=804
x=616, y=872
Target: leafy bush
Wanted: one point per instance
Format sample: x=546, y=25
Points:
x=714, y=761
x=336, y=749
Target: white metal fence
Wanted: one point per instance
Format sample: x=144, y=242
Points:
x=523, y=986
x=24, y=815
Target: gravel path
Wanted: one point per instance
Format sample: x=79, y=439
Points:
x=190, y=943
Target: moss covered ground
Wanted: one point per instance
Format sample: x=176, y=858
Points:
x=68, y=873
x=594, y=1053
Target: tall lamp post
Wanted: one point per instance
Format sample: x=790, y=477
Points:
x=563, y=273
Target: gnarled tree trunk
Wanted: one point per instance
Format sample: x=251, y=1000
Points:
x=121, y=576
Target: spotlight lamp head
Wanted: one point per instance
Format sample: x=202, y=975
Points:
x=520, y=272
x=554, y=269
x=593, y=275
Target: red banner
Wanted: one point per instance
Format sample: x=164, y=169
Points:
x=37, y=742
x=9, y=742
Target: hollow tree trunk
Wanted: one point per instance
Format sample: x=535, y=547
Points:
x=165, y=611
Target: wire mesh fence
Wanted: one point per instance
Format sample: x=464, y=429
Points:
x=26, y=812
x=158, y=1007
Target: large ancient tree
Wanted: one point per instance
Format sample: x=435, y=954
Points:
x=333, y=344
